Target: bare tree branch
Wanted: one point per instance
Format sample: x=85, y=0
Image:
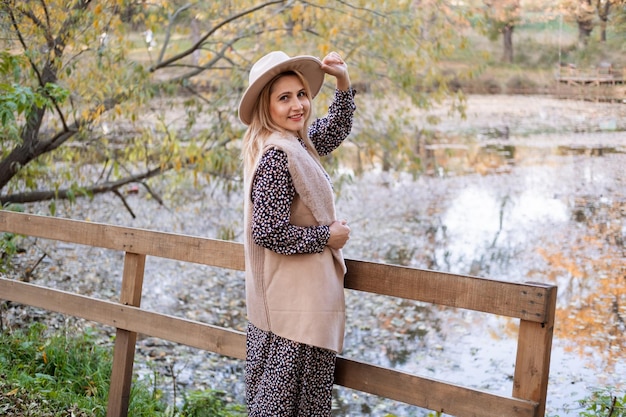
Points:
x=66, y=193
x=44, y=6
x=199, y=69
x=152, y=193
x=121, y=197
x=38, y=23
x=348, y=5
x=32, y=147
x=168, y=32
x=199, y=43
x=22, y=41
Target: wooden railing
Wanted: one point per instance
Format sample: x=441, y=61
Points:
x=532, y=303
x=598, y=76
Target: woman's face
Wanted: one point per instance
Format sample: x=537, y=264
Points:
x=289, y=104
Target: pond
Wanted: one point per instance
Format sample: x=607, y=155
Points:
x=518, y=226
x=527, y=206
x=538, y=194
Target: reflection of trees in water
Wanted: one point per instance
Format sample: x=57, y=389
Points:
x=590, y=269
x=391, y=330
x=408, y=223
x=409, y=323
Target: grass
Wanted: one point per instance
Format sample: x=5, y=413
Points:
x=55, y=374
x=58, y=375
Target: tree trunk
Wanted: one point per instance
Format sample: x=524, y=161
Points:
x=584, y=17
x=584, y=32
x=30, y=148
x=195, y=37
x=603, y=14
x=507, y=39
x=603, y=30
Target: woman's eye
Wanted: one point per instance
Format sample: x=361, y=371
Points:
x=302, y=94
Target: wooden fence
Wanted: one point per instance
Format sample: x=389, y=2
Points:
x=603, y=83
x=532, y=303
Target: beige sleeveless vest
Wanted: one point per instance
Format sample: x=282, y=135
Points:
x=299, y=297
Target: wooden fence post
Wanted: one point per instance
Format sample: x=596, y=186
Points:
x=532, y=365
x=124, y=351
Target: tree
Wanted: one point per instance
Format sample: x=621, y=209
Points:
x=603, y=8
x=620, y=19
x=502, y=17
x=90, y=106
x=584, y=13
x=585, y=19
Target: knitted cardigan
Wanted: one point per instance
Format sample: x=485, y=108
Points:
x=299, y=297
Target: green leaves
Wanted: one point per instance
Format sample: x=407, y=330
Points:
x=14, y=101
x=111, y=97
x=210, y=404
x=604, y=402
x=10, y=65
x=53, y=93
x=17, y=99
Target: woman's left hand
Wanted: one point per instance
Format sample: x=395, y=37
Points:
x=334, y=65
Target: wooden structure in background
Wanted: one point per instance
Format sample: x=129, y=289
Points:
x=602, y=83
x=532, y=303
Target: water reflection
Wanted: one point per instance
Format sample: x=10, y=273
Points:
x=480, y=219
x=531, y=209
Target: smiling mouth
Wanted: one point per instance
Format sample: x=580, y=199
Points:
x=296, y=116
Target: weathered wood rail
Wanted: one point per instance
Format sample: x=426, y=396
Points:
x=532, y=303
x=604, y=73
x=603, y=83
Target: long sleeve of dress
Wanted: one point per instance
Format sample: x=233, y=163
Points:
x=272, y=195
x=328, y=132
x=273, y=190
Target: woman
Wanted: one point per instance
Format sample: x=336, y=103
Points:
x=293, y=241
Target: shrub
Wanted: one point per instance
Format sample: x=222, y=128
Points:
x=604, y=402
x=65, y=374
x=210, y=404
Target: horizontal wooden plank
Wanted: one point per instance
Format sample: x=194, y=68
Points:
x=400, y=386
x=205, y=251
x=428, y=393
x=187, y=332
x=527, y=301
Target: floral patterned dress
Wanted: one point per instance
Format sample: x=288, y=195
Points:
x=285, y=378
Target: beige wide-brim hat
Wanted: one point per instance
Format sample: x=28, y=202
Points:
x=269, y=66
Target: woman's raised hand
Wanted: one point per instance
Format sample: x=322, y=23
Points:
x=334, y=65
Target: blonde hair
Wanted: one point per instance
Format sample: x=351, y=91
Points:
x=262, y=126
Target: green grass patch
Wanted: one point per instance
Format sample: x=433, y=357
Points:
x=63, y=374
x=60, y=374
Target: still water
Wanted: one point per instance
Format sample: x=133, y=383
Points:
x=546, y=207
